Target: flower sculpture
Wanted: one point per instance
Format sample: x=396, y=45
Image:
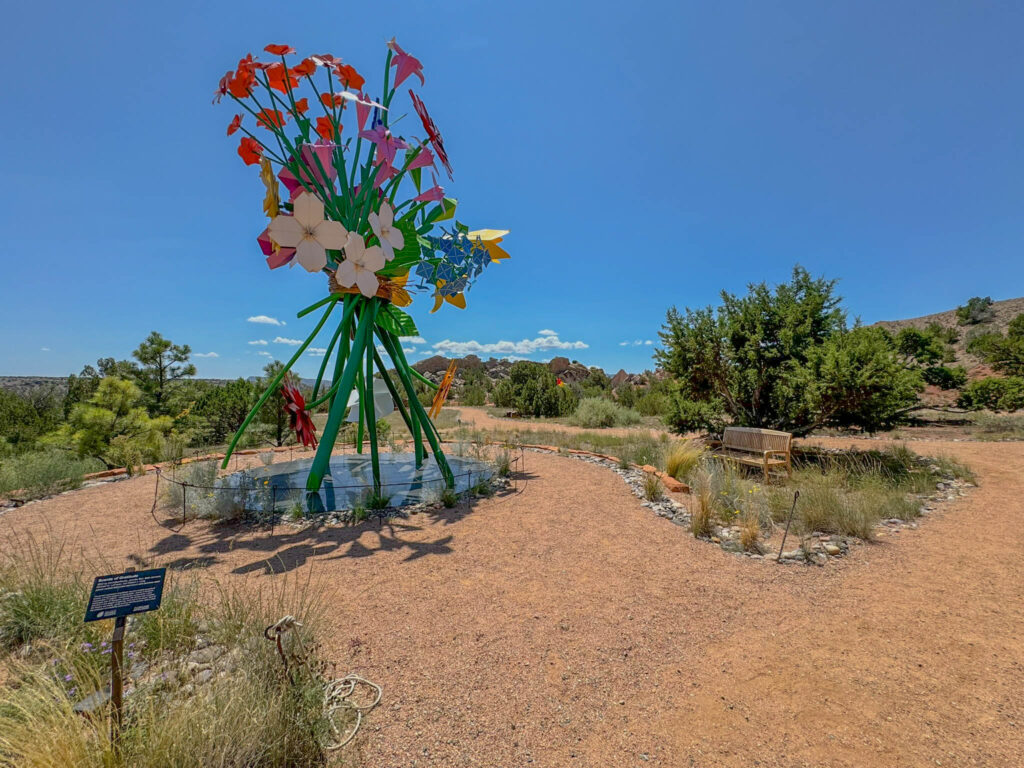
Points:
x=360, y=212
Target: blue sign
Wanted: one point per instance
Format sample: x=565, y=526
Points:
x=125, y=594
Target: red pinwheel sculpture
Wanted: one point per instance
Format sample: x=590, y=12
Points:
x=295, y=405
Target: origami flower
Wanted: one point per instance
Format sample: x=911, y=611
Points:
x=433, y=194
x=270, y=118
x=325, y=127
x=236, y=123
x=308, y=232
x=279, y=50
x=305, y=68
x=295, y=406
x=272, y=200
x=489, y=239
x=349, y=77
x=422, y=159
x=280, y=78
x=323, y=152
x=405, y=64
x=440, y=296
x=390, y=236
x=250, y=150
x=387, y=144
x=277, y=256
x=360, y=266
x=433, y=134
x=399, y=295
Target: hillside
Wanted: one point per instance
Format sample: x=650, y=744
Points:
x=1004, y=312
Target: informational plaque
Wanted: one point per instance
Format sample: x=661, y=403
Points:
x=125, y=594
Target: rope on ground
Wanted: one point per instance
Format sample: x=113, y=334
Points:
x=338, y=692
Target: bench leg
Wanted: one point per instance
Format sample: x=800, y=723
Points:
x=766, y=479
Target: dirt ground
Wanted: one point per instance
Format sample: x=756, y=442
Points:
x=566, y=625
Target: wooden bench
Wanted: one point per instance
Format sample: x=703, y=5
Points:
x=765, y=448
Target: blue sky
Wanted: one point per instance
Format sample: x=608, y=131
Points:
x=642, y=154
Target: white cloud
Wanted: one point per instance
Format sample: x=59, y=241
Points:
x=259, y=342
x=506, y=348
x=207, y=354
x=44, y=349
x=623, y=343
x=648, y=343
x=265, y=320
x=636, y=343
x=547, y=332
x=265, y=354
x=289, y=342
x=412, y=340
x=408, y=350
x=316, y=351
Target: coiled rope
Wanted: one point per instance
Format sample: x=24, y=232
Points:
x=338, y=692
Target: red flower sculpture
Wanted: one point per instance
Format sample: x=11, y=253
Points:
x=295, y=405
x=433, y=134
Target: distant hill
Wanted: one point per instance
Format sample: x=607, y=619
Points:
x=570, y=371
x=1003, y=311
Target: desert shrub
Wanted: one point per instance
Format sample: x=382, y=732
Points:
x=652, y=404
x=533, y=390
x=993, y=393
x=448, y=497
x=682, y=458
x=594, y=412
x=43, y=473
x=686, y=415
x=945, y=377
x=473, y=394
x=976, y=310
x=503, y=463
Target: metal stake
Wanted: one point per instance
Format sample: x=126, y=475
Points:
x=796, y=495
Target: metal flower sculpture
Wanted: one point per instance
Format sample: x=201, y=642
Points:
x=351, y=216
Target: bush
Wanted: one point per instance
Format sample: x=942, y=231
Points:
x=976, y=310
x=783, y=359
x=532, y=390
x=473, y=394
x=994, y=394
x=686, y=415
x=593, y=412
x=945, y=377
x=44, y=473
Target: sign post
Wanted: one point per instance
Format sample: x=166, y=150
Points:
x=119, y=596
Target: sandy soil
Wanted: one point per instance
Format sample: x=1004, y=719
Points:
x=566, y=625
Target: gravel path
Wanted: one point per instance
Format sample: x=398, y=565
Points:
x=568, y=626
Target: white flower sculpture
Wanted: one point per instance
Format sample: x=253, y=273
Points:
x=308, y=232
x=360, y=266
x=383, y=227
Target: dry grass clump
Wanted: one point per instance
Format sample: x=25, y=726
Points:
x=247, y=714
x=703, y=512
x=653, y=489
x=846, y=493
x=682, y=458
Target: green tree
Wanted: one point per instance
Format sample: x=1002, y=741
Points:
x=1005, y=353
x=114, y=418
x=976, y=310
x=273, y=415
x=24, y=418
x=782, y=359
x=161, y=362
x=532, y=390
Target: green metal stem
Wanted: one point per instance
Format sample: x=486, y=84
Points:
x=276, y=382
x=407, y=417
x=322, y=460
x=349, y=309
x=371, y=415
